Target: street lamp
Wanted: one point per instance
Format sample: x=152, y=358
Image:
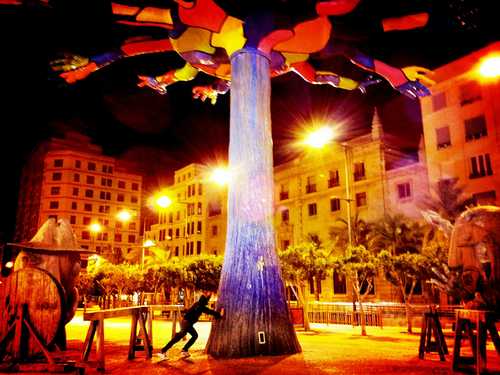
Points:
x=220, y=176
x=489, y=67
x=94, y=228
x=320, y=137
x=146, y=244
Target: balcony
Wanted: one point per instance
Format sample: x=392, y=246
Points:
x=333, y=182
x=311, y=188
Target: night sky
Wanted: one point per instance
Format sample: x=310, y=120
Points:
x=167, y=132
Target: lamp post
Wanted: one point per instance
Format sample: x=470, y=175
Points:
x=319, y=138
x=145, y=245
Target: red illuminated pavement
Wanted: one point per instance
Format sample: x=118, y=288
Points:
x=330, y=349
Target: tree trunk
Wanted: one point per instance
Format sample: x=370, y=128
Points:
x=301, y=291
x=251, y=290
x=362, y=317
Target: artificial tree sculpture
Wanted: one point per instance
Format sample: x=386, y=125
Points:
x=244, y=45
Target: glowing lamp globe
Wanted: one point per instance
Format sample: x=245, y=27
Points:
x=95, y=227
x=163, y=201
x=220, y=176
x=124, y=216
x=319, y=137
x=490, y=67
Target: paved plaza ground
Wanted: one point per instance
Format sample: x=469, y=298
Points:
x=332, y=349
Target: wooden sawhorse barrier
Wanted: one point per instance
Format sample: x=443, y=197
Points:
x=175, y=314
x=475, y=325
x=139, y=315
x=431, y=327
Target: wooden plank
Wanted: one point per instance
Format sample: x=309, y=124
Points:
x=423, y=335
x=147, y=341
x=100, y=346
x=110, y=313
x=133, y=336
x=87, y=345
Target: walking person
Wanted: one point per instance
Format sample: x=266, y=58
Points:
x=189, y=318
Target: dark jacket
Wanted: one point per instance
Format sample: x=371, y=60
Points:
x=193, y=313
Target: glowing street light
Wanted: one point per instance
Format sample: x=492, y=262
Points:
x=95, y=227
x=163, y=201
x=490, y=67
x=320, y=137
x=9, y=264
x=220, y=176
x=124, y=216
x=146, y=244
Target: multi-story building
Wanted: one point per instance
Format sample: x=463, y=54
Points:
x=461, y=123
x=310, y=196
x=71, y=178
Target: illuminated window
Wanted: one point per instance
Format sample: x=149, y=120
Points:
x=198, y=227
x=470, y=92
x=480, y=166
x=311, y=184
x=333, y=178
x=56, y=176
x=86, y=221
x=404, y=190
x=312, y=209
x=360, y=199
x=132, y=226
x=200, y=189
x=438, y=101
x=118, y=237
x=475, y=128
x=55, y=190
x=359, y=171
x=443, y=138
x=334, y=204
x=58, y=162
x=285, y=215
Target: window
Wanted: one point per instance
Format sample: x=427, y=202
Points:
x=215, y=230
x=85, y=235
x=76, y=191
x=364, y=287
x=178, y=215
x=314, y=285
x=339, y=283
x=200, y=189
x=359, y=171
x=135, y=186
x=170, y=233
x=198, y=227
x=78, y=164
x=443, y=138
x=334, y=204
x=90, y=180
x=86, y=220
x=333, y=178
x=56, y=176
x=134, y=199
x=485, y=198
x=121, y=184
x=58, y=162
x=131, y=238
x=198, y=247
x=177, y=251
x=76, y=177
x=107, y=169
x=132, y=226
x=360, y=199
x=438, y=101
x=53, y=205
x=404, y=190
x=87, y=207
x=89, y=193
x=285, y=215
x=118, y=225
x=104, y=209
x=480, y=166
x=55, y=190
x=105, y=195
x=312, y=209
x=74, y=206
x=120, y=198
x=72, y=219
x=91, y=166
x=170, y=217
x=177, y=233
x=118, y=237
x=470, y=92
x=285, y=244
x=475, y=128
x=199, y=208
x=214, y=208
x=284, y=192
x=311, y=184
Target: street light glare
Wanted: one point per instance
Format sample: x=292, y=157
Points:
x=163, y=201
x=95, y=227
x=124, y=215
x=148, y=243
x=220, y=176
x=318, y=138
x=490, y=67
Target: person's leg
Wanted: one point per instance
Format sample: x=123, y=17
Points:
x=178, y=336
x=194, y=336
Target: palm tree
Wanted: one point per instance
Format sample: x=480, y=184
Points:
x=448, y=199
x=360, y=232
x=396, y=234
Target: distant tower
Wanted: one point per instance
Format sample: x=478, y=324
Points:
x=377, y=129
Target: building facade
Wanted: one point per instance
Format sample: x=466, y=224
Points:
x=312, y=194
x=461, y=122
x=70, y=178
